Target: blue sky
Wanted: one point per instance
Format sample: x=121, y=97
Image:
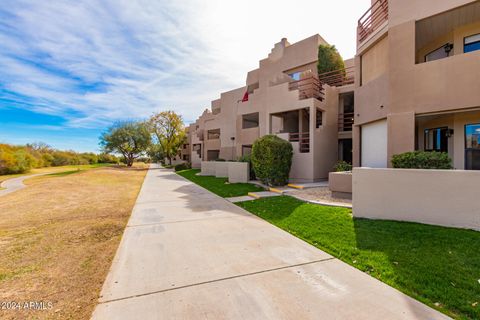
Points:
x=69, y=69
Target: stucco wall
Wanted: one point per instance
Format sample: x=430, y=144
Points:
x=340, y=182
x=401, y=11
x=236, y=172
x=440, y=197
x=375, y=61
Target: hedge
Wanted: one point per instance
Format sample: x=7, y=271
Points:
x=422, y=160
x=272, y=160
x=183, y=166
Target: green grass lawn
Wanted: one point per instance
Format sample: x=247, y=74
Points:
x=436, y=265
x=219, y=186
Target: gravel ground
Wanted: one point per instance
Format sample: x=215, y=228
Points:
x=321, y=193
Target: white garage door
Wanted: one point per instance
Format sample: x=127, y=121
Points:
x=374, y=144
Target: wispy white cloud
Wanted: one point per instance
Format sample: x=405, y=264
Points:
x=95, y=62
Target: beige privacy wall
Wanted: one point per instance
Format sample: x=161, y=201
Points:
x=441, y=197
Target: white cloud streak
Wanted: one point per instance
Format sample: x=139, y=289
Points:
x=95, y=62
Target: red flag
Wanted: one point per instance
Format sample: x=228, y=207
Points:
x=245, y=96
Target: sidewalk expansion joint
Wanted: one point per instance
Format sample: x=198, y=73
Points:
x=180, y=221
x=216, y=280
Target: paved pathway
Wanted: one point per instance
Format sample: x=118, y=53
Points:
x=15, y=184
x=188, y=254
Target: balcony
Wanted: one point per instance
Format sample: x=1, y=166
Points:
x=303, y=139
x=372, y=20
x=338, y=78
x=308, y=88
x=345, y=121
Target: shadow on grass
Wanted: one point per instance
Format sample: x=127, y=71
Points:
x=436, y=265
x=63, y=173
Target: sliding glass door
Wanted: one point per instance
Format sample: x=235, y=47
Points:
x=472, y=146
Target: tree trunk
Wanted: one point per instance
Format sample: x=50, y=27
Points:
x=169, y=160
x=129, y=161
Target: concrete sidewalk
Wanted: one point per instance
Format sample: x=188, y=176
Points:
x=15, y=184
x=188, y=254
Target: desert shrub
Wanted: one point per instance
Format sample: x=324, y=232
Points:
x=248, y=158
x=107, y=158
x=342, y=166
x=422, y=160
x=14, y=159
x=89, y=157
x=183, y=166
x=272, y=160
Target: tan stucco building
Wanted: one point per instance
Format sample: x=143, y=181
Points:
x=418, y=81
x=283, y=96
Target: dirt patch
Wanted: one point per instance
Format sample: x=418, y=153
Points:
x=58, y=237
x=318, y=194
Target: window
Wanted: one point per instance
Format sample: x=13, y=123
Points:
x=436, y=139
x=471, y=43
x=246, y=150
x=295, y=76
x=298, y=75
x=250, y=120
x=213, y=134
x=440, y=53
x=319, y=117
x=472, y=146
x=213, y=155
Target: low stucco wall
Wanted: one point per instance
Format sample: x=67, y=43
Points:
x=440, y=197
x=221, y=169
x=340, y=183
x=208, y=168
x=235, y=171
x=238, y=172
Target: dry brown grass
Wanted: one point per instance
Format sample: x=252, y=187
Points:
x=58, y=237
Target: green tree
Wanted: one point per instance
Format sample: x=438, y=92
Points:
x=167, y=126
x=329, y=59
x=131, y=139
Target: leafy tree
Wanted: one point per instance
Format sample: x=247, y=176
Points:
x=131, y=139
x=329, y=59
x=155, y=152
x=168, y=128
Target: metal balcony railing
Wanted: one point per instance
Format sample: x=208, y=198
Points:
x=338, y=78
x=308, y=88
x=303, y=139
x=345, y=121
x=372, y=19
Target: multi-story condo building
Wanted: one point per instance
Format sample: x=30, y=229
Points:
x=285, y=96
x=418, y=81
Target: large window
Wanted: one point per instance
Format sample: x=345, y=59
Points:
x=213, y=134
x=472, y=146
x=471, y=43
x=213, y=155
x=436, y=139
x=440, y=53
x=250, y=120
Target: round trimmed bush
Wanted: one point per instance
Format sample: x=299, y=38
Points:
x=422, y=160
x=272, y=160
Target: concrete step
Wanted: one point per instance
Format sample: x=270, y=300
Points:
x=263, y=194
